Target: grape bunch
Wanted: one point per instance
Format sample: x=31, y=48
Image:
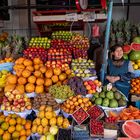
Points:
x=61, y=92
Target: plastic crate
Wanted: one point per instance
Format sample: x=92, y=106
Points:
x=6, y=66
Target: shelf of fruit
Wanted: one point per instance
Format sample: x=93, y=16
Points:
x=92, y=86
x=59, y=54
x=14, y=127
x=48, y=121
x=83, y=68
x=110, y=99
x=57, y=64
x=13, y=101
x=135, y=83
x=73, y=103
x=3, y=76
x=129, y=113
x=35, y=52
x=41, y=42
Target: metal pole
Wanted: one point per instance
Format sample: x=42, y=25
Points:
x=29, y=18
x=128, y=8
x=106, y=46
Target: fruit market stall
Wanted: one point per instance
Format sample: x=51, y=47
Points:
x=52, y=92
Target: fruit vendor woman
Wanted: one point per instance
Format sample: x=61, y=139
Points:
x=119, y=71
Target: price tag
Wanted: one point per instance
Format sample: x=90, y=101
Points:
x=109, y=87
x=71, y=17
x=89, y=16
x=99, y=89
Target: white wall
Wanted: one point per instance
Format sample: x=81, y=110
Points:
x=19, y=18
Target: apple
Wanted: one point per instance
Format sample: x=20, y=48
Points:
x=3, y=107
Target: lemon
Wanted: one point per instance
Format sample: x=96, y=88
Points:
x=135, y=66
x=138, y=64
x=138, y=61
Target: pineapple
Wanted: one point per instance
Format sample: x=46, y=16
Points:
x=134, y=32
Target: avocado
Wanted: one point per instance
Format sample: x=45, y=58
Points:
x=104, y=88
x=105, y=102
x=122, y=102
x=98, y=101
x=114, y=89
x=123, y=97
x=117, y=95
x=113, y=103
x=102, y=95
x=96, y=95
x=110, y=95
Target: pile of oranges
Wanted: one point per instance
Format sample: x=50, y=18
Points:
x=135, y=86
x=14, y=127
x=75, y=102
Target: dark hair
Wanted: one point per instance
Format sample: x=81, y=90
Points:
x=117, y=63
x=113, y=48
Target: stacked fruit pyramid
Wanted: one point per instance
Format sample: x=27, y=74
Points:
x=14, y=127
x=48, y=121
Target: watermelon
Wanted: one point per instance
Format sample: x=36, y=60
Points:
x=131, y=129
x=134, y=55
x=135, y=46
x=126, y=49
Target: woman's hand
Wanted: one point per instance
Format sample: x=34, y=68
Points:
x=113, y=79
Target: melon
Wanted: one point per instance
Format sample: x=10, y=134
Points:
x=126, y=49
x=135, y=46
x=131, y=129
x=134, y=55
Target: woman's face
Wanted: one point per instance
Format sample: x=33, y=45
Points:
x=118, y=53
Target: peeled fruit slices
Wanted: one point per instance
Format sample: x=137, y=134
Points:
x=131, y=129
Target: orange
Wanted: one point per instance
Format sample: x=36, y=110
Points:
x=7, y=119
x=19, y=127
x=80, y=101
x=28, y=132
x=23, y=132
x=40, y=81
x=11, y=129
x=6, y=136
x=1, y=132
x=48, y=82
x=15, y=135
x=82, y=105
x=27, y=125
x=23, y=121
x=19, y=120
x=74, y=99
x=23, y=138
x=72, y=107
x=90, y=91
x=12, y=122
x=76, y=103
x=68, y=105
x=36, y=67
x=68, y=71
x=32, y=79
x=54, y=78
x=26, y=73
x=30, y=68
x=88, y=87
x=71, y=103
x=22, y=80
